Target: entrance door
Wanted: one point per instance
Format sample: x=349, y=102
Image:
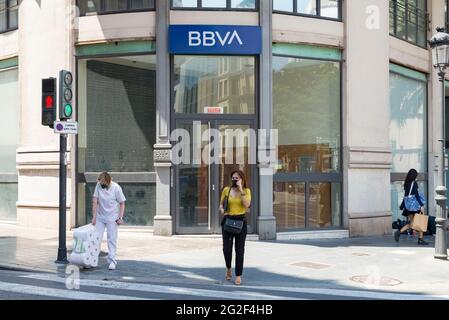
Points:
x=212, y=149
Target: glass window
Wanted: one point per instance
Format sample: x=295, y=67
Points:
x=87, y=6
x=321, y=8
x=408, y=128
x=243, y=4
x=323, y=209
x=140, y=205
x=142, y=4
x=8, y=199
x=307, y=116
x=117, y=109
x=9, y=141
x=213, y=81
x=121, y=90
x=215, y=4
x=8, y=15
x=408, y=20
x=115, y=5
x=306, y=112
x=306, y=7
x=283, y=5
x=107, y=6
x=329, y=8
x=9, y=121
x=2, y=20
x=13, y=14
x=185, y=3
x=289, y=205
x=447, y=14
x=408, y=124
x=324, y=205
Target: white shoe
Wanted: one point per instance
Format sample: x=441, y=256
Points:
x=112, y=265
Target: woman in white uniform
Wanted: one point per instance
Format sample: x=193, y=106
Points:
x=108, y=209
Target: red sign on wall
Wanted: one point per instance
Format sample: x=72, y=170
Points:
x=213, y=110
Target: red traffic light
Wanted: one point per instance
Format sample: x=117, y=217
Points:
x=49, y=102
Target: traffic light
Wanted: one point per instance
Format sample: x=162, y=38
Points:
x=48, y=101
x=65, y=95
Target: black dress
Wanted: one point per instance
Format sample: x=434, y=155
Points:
x=415, y=192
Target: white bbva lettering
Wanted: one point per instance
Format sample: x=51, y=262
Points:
x=222, y=41
x=194, y=39
x=207, y=38
x=235, y=35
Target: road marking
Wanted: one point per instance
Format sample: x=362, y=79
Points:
x=403, y=252
x=143, y=287
x=192, y=275
x=354, y=293
x=61, y=293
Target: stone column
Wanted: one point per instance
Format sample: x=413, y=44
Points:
x=366, y=118
x=45, y=47
x=163, y=222
x=266, y=222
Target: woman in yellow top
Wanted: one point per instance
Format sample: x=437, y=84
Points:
x=239, y=200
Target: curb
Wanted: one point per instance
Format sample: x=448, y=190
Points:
x=20, y=268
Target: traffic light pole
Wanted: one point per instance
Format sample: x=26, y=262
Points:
x=62, y=250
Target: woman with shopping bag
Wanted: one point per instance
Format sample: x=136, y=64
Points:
x=413, y=208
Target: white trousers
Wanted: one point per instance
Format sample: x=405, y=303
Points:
x=112, y=233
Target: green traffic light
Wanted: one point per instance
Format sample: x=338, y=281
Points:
x=68, y=110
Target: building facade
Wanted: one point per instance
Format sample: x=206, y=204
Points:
x=348, y=85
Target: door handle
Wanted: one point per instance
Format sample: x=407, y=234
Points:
x=209, y=193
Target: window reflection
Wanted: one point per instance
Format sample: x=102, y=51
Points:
x=201, y=82
x=408, y=123
x=118, y=92
x=211, y=4
x=140, y=205
x=289, y=205
x=321, y=8
x=408, y=20
x=306, y=105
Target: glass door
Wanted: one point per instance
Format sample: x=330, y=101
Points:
x=237, y=152
x=192, y=174
x=203, y=163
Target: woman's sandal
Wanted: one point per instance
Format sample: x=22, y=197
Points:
x=238, y=280
x=228, y=275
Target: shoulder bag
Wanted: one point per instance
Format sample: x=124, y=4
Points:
x=233, y=226
x=410, y=201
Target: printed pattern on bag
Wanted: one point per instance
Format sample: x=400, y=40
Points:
x=410, y=201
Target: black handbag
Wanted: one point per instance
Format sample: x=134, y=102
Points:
x=233, y=226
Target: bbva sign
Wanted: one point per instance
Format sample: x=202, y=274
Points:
x=215, y=39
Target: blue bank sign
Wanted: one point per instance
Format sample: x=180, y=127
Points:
x=215, y=39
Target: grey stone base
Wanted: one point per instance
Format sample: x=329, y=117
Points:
x=266, y=227
x=370, y=226
x=163, y=226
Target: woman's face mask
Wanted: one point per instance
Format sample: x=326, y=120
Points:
x=103, y=186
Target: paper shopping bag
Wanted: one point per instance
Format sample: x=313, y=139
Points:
x=419, y=222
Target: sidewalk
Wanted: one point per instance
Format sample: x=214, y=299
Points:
x=374, y=263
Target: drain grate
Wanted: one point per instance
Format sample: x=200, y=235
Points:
x=376, y=281
x=311, y=265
